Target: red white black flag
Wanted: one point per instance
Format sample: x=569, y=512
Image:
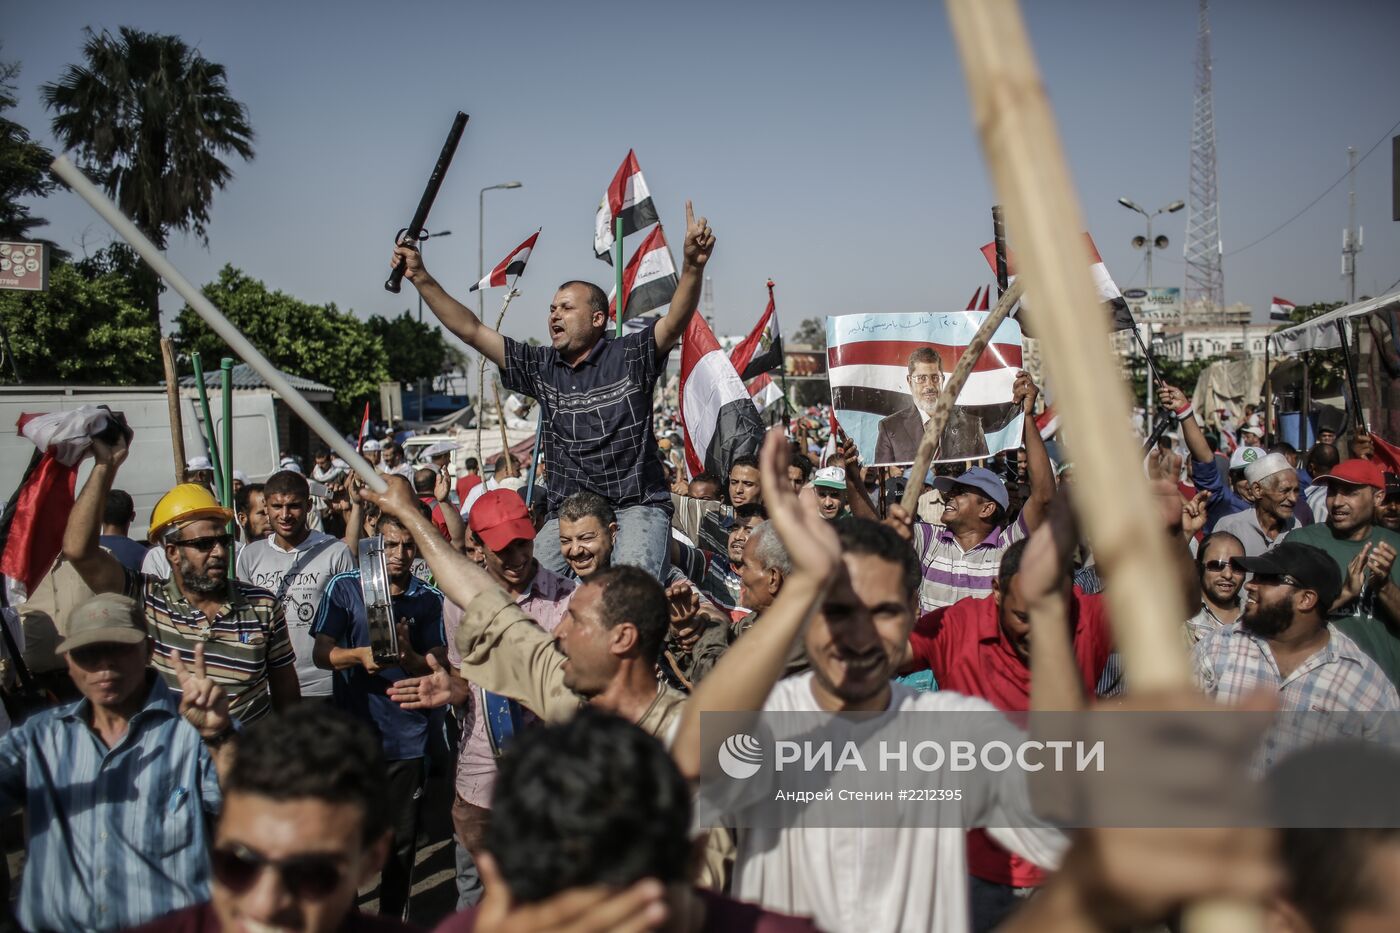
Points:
x=627, y=197
x=1104, y=285
x=762, y=350
x=514, y=264
x=649, y=280
x=719, y=417
x=1281, y=309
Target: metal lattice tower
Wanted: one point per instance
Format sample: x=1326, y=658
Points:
x=1205, y=280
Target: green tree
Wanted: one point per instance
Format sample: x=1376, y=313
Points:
x=89, y=328
x=317, y=342
x=152, y=120
x=23, y=165
x=810, y=333
x=412, y=349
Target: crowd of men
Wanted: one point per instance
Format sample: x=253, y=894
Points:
x=230, y=748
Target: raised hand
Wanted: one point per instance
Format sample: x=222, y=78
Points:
x=110, y=454
x=442, y=485
x=810, y=540
x=1361, y=445
x=203, y=703
x=427, y=692
x=398, y=499
x=699, y=239
x=1355, y=579
x=414, y=270
x=598, y=909
x=1171, y=396
x=1024, y=392
x=1193, y=514
x=1380, y=561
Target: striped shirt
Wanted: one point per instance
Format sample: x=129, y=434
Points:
x=117, y=836
x=950, y=573
x=246, y=639
x=1338, y=678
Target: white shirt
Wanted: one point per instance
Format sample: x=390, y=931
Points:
x=311, y=565
x=156, y=563
x=1245, y=526
x=880, y=879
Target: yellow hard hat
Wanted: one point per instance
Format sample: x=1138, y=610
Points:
x=186, y=502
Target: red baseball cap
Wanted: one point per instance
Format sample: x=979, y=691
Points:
x=500, y=517
x=1356, y=472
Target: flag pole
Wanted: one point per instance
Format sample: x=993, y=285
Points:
x=782, y=360
x=211, y=441
x=481, y=376
x=1270, y=434
x=534, y=459
x=1359, y=416
x=999, y=241
x=617, y=270
x=172, y=401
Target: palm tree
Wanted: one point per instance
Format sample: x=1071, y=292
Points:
x=150, y=119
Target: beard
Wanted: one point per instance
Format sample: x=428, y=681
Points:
x=1268, y=622
x=200, y=583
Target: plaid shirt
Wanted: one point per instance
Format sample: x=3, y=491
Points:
x=950, y=573
x=1338, y=679
x=117, y=836
x=599, y=416
x=247, y=639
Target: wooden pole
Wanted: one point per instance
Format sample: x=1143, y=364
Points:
x=172, y=401
x=1027, y=164
x=481, y=379
x=501, y=418
x=943, y=409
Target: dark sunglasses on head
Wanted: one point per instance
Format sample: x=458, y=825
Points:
x=310, y=877
x=205, y=544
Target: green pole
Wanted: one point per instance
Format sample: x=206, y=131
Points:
x=617, y=271
x=208, y=425
x=226, y=488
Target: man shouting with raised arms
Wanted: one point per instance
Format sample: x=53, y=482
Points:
x=595, y=397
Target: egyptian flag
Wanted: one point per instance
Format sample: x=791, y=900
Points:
x=514, y=264
x=31, y=529
x=1104, y=285
x=1281, y=309
x=762, y=350
x=627, y=197
x=1384, y=453
x=649, y=280
x=1048, y=422
x=717, y=413
x=972, y=302
x=364, y=431
x=764, y=391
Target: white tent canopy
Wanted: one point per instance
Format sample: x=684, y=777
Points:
x=1320, y=333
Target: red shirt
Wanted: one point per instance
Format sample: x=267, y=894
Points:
x=465, y=483
x=439, y=522
x=964, y=646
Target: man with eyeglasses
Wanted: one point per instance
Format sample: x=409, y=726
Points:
x=116, y=786
x=1284, y=643
x=303, y=827
x=240, y=626
x=898, y=436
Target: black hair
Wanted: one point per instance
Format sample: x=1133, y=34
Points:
x=424, y=480
x=323, y=451
x=1283, y=447
x=585, y=503
x=745, y=460
x=471, y=463
x=867, y=537
x=597, y=298
x=243, y=497
x=1323, y=458
x=1328, y=871
x=707, y=477
x=630, y=594
x=1010, y=563
x=313, y=751
x=925, y=355
x=389, y=518
x=591, y=801
x=119, y=510
x=801, y=461
x=286, y=483
x=501, y=461
x=748, y=510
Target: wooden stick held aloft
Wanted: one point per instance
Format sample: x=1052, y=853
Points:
x=943, y=408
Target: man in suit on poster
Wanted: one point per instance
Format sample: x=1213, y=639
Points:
x=900, y=433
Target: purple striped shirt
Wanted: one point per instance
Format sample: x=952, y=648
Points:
x=950, y=573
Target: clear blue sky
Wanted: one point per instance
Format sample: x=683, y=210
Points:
x=829, y=143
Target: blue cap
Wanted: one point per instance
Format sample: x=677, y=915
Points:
x=979, y=478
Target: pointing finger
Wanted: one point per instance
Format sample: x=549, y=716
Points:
x=177, y=664
x=689, y=214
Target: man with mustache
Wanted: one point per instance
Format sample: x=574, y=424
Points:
x=240, y=627
x=361, y=686
x=1284, y=643
x=899, y=434
x=595, y=396
x=1273, y=486
x=1221, y=582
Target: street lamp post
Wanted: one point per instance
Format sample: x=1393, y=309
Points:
x=1147, y=241
x=1150, y=245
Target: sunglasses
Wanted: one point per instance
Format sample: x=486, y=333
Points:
x=1217, y=566
x=308, y=877
x=205, y=544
